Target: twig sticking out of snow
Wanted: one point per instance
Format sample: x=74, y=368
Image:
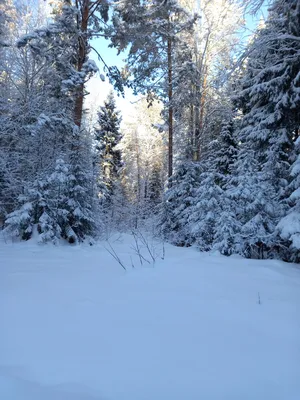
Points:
x=137, y=249
x=139, y=236
x=163, y=251
x=132, y=262
x=113, y=253
x=258, y=297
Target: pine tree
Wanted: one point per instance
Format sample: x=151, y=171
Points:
x=152, y=31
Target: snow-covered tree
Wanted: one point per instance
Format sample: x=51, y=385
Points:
x=289, y=226
x=20, y=223
x=48, y=130
x=206, y=205
x=175, y=209
x=226, y=155
x=255, y=203
x=152, y=30
x=107, y=137
x=7, y=27
x=81, y=196
x=143, y=159
x=226, y=236
x=268, y=99
x=216, y=40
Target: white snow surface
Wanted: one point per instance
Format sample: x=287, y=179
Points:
x=194, y=326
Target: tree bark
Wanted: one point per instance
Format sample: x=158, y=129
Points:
x=200, y=94
x=170, y=95
x=84, y=6
x=202, y=108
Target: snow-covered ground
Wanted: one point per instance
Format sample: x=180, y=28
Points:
x=75, y=325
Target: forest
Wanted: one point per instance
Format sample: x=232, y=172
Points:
x=211, y=160
x=149, y=199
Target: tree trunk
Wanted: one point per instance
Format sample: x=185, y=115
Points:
x=139, y=180
x=200, y=92
x=199, y=119
x=196, y=137
x=191, y=138
x=82, y=53
x=170, y=95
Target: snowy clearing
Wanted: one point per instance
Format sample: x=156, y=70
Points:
x=75, y=325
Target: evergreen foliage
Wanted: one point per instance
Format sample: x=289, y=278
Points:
x=47, y=132
x=289, y=226
x=207, y=202
x=235, y=186
x=176, y=204
x=268, y=128
x=107, y=137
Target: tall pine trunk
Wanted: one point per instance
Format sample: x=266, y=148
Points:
x=82, y=53
x=170, y=95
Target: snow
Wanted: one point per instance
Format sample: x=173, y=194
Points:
x=289, y=228
x=76, y=326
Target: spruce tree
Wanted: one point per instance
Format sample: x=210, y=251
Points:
x=177, y=202
x=227, y=153
x=289, y=226
x=211, y=214
x=107, y=137
x=81, y=200
x=226, y=237
x=52, y=132
x=20, y=223
x=206, y=205
x=269, y=101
